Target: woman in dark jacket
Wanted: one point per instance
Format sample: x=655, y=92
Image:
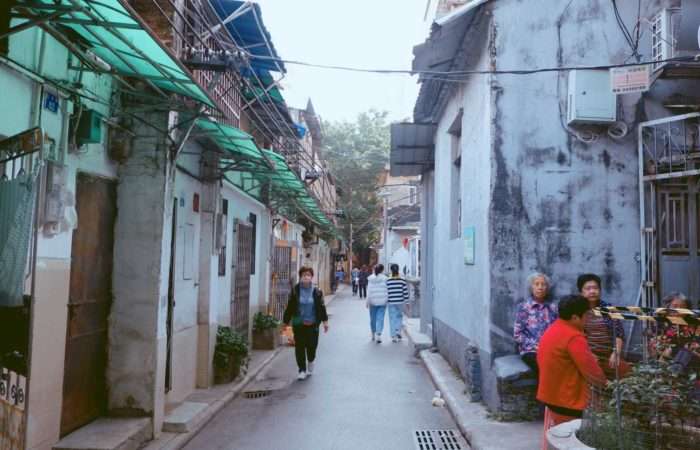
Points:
x=306, y=312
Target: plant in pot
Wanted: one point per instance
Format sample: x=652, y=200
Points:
x=231, y=355
x=265, y=331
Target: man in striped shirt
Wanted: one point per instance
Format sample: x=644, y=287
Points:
x=398, y=296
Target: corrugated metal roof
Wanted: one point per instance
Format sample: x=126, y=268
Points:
x=412, y=148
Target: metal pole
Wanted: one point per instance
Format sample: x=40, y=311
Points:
x=386, y=234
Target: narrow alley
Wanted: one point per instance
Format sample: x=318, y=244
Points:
x=362, y=395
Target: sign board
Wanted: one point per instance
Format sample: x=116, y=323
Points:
x=629, y=80
x=469, y=245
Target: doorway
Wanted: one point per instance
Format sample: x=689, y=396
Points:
x=678, y=215
x=90, y=297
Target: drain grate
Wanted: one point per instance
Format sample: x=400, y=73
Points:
x=256, y=394
x=439, y=440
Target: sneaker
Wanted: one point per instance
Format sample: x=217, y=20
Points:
x=310, y=369
x=394, y=339
x=301, y=376
x=379, y=338
x=373, y=337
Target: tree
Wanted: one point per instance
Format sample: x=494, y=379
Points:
x=357, y=153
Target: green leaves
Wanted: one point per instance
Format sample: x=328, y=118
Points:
x=264, y=322
x=230, y=344
x=357, y=153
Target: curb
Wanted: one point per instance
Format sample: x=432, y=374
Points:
x=181, y=440
x=449, y=398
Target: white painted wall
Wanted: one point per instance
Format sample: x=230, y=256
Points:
x=461, y=292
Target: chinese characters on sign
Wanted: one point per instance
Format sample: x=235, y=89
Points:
x=628, y=80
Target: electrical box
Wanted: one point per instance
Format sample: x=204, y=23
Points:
x=591, y=99
x=89, y=128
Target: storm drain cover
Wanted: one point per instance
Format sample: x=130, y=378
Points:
x=256, y=394
x=263, y=388
x=439, y=440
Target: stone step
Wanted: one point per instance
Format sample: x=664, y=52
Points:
x=419, y=340
x=108, y=434
x=184, y=417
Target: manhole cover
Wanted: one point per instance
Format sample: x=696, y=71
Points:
x=439, y=440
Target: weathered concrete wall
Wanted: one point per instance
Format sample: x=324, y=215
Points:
x=559, y=205
x=137, y=332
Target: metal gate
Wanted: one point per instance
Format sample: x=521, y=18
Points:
x=84, y=386
x=281, y=279
x=669, y=191
x=240, y=293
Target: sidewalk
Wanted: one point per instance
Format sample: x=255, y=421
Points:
x=362, y=395
x=472, y=418
x=201, y=406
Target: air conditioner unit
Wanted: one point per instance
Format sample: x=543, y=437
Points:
x=674, y=34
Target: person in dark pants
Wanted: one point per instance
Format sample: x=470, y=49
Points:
x=306, y=311
x=362, y=281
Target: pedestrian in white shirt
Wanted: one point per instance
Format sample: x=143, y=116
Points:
x=377, y=298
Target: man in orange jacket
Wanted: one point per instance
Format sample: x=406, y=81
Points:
x=567, y=365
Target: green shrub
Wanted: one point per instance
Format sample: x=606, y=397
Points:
x=230, y=344
x=263, y=322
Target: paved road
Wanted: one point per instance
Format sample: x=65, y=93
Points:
x=362, y=396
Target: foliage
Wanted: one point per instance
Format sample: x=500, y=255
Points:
x=656, y=407
x=357, y=153
x=263, y=322
x=230, y=344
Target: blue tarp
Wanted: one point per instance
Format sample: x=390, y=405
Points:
x=250, y=33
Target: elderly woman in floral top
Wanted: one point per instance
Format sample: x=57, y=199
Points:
x=533, y=317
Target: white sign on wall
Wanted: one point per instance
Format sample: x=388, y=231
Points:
x=629, y=80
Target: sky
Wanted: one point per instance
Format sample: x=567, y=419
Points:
x=361, y=33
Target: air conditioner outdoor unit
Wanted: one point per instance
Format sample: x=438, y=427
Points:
x=674, y=34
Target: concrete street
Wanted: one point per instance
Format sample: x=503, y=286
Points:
x=361, y=396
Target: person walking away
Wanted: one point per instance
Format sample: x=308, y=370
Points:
x=533, y=317
x=362, y=281
x=306, y=311
x=605, y=335
x=377, y=297
x=566, y=365
x=397, y=291
x=355, y=275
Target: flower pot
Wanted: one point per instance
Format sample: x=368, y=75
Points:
x=224, y=375
x=265, y=339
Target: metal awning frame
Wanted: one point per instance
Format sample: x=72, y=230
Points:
x=35, y=13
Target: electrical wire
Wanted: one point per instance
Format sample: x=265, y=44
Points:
x=453, y=75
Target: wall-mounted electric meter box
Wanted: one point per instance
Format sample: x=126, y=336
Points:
x=591, y=100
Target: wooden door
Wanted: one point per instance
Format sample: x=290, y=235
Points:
x=240, y=294
x=84, y=386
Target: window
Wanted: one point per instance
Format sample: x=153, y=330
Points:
x=412, y=195
x=254, y=222
x=455, y=132
x=222, y=251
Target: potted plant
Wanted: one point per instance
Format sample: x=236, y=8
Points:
x=231, y=355
x=265, y=330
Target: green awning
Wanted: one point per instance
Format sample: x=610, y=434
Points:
x=238, y=143
x=115, y=34
x=260, y=94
